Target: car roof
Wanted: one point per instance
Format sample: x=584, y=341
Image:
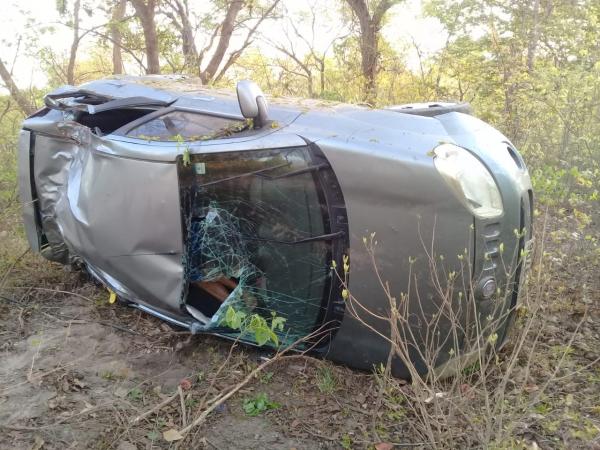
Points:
x=190, y=92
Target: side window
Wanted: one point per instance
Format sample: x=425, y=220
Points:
x=187, y=125
x=256, y=237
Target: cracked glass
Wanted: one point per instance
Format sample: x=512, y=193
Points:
x=256, y=238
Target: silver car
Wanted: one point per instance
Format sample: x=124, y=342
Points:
x=202, y=207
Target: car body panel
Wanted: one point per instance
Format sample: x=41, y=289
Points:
x=26, y=191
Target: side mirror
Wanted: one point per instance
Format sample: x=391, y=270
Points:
x=253, y=103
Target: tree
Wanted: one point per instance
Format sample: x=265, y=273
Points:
x=26, y=106
x=225, y=32
x=178, y=12
x=118, y=14
x=264, y=12
x=370, y=17
x=74, y=43
x=146, y=12
x=73, y=21
x=308, y=40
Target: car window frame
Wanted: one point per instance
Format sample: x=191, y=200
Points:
x=122, y=131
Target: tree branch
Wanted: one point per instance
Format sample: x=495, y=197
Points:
x=14, y=91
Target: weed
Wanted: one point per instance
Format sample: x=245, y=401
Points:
x=135, y=394
x=326, y=381
x=346, y=442
x=255, y=324
x=153, y=435
x=191, y=402
x=266, y=377
x=258, y=405
x=459, y=394
x=108, y=375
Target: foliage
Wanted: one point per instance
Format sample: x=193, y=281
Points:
x=326, y=380
x=529, y=68
x=259, y=404
x=256, y=325
x=10, y=123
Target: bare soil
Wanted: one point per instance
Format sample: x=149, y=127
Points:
x=75, y=370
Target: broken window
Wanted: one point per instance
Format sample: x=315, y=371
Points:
x=108, y=121
x=102, y=114
x=187, y=125
x=257, y=237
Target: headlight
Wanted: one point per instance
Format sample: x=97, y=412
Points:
x=469, y=179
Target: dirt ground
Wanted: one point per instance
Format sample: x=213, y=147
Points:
x=75, y=371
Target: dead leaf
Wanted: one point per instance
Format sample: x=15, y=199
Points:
x=36, y=381
x=172, y=435
x=467, y=391
x=121, y=392
x=384, y=446
x=126, y=445
x=437, y=395
x=569, y=399
x=38, y=443
x=88, y=407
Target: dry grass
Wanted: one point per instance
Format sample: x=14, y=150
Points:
x=80, y=370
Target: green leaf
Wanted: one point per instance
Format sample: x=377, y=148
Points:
x=262, y=335
x=277, y=323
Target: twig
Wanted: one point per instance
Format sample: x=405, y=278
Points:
x=11, y=267
x=30, y=373
x=69, y=319
x=12, y=300
x=62, y=318
x=182, y=401
x=215, y=402
x=154, y=409
x=57, y=291
x=216, y=375
x=35, y=377
x=220, y=399
x=58, y=422
x=211, y=443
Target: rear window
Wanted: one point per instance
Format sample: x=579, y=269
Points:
x=188, y=126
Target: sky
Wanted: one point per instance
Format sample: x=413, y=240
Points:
x=404, y=25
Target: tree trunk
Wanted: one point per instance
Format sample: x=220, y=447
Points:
x=226, y=31
x=74, y=44
x=369, y=35
x=25, y=105
x=322, y=75
x=370, y=53
x=236, y=54
x=115, y=33
x=188, y=45
x=146, y=12
x=534, y=36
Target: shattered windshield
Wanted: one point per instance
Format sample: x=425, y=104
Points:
x=256, y=238
x=187, y=126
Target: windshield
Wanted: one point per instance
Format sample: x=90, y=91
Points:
x=188, y=126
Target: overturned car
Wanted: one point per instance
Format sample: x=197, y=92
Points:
x=202, y=208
